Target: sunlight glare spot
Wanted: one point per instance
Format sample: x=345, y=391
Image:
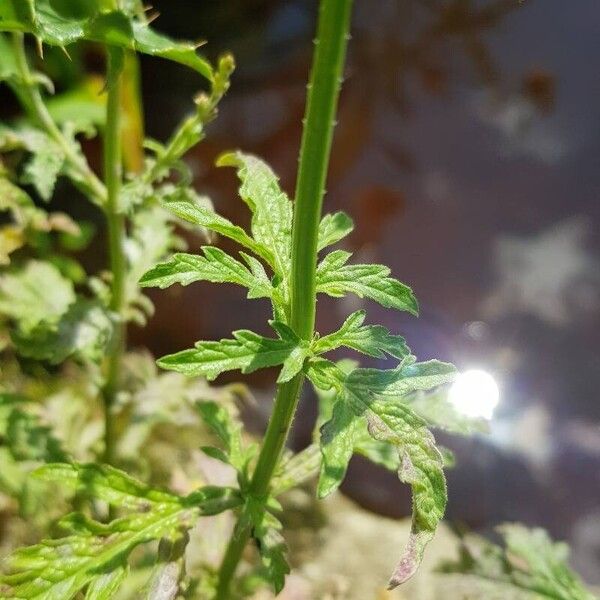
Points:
x=475, y=394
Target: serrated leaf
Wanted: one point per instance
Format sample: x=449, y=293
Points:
x=113, y=28
x=215, y=266
x=373, y=340
x=191, y=208
x=43, y=168
x=377, y=397
x=83, y=331
x=336, y=278
x=530, y=565
x=333, y=228
x=34, y=294
x=248, y=351
x=61, y=568
x=271, y=208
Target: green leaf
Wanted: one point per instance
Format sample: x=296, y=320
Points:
x=61, y=568
x=215, y=266
x=377, y=397
x=83, y=331
x=295, y=469
x=530, y=565
x=105, y=586
x=271, y=208
x=336, y=278
x=24, y=434
x=373, y=340
x=333, y=228
x=248, y=352
x=34, y=294
x=189, y=207
x=229, y=431
x=115, y=28
x=266, y=530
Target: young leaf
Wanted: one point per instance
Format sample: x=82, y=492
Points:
x=34, y=294
x=43, y=168
x=333, y=228
x=377, y=397
x=373, y=340
x=61, y=568
x=215, y=266
x=530, y=565
x=248, y=352
x=336, y=278
x=271, y=208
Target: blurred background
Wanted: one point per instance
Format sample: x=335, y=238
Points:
x=468, y=153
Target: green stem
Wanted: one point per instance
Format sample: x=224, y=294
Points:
x=116, y=239
x=30, y=97
x=321, y=106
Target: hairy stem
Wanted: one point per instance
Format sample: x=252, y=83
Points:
x=116, y=239
x=33, y=103
x=321, y=106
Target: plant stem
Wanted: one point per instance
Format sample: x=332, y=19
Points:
x=116, y=239
x=30, y=97
x=321, y=106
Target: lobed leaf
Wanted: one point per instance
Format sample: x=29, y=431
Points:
x=271, y=208
x=333, y=228
x=215, y=266
x=376, y=396
x=336, y=278
x=248, y=351
x=373, y=340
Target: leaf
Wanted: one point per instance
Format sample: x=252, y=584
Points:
x=113, y=28
x=295, y=469
x=333, y=228
x=248, y=352
x=43, y=168
x=530, y=565
x=83, y=331
x=25, y=435
x=373, y=340
x=377, y=397
x=228, y=430
x=335, y=278
x=266, y=530
x=271, y=208
x=61, y=568
x=34, y=294
x=190, y=207
x=105, y=586
x=215, y=266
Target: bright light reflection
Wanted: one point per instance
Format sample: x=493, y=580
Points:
x=475, y=394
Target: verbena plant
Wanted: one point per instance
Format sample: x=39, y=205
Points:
x=58, y=315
